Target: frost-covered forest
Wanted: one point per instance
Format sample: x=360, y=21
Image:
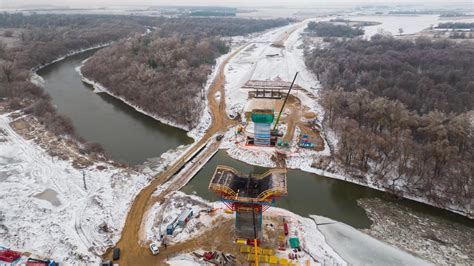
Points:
x=331, y=29
x=403, y=111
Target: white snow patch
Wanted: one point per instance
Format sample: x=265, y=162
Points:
x=185, y=260
x=260, y=156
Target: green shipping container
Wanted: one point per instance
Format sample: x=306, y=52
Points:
x=262, y=118
x=294, y=242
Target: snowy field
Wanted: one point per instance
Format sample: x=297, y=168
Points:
x=253, y=64
x=48, y=212
x=161, y=215
x=409, y=24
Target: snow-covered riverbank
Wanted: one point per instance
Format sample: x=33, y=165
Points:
x=47, y=209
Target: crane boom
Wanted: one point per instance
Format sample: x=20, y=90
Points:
x=284, y=103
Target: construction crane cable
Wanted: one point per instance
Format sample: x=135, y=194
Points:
x=284, y=103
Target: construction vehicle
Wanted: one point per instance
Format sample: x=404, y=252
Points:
x=281, y=242
x=38, y=262
x=305, y=143
x=116, y=254
x=154, y=248
x=285, y=227
x=283, y=143
x=209, y=255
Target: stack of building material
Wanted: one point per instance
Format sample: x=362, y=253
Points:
x=9, y=256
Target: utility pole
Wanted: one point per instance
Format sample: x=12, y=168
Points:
x=84, y=179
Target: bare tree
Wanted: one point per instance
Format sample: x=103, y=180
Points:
x=400, y=31
x=7, y=71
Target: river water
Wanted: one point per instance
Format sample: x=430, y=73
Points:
x=126, y=134
x=133, y=137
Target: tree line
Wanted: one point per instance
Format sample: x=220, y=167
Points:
x=333, y=29
x=403, y=112
x=207, y=27
x=456, y=25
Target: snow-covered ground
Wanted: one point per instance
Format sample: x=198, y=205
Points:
x=312, y=241
x=46, y=209
x=329, y=241
x=161, y=215
x=184, y=260
x=253, y=64
x=358, y=248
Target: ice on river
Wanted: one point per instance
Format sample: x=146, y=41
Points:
x=357, y=248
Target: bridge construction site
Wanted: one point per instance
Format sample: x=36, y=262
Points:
x=272, y=115
x=250, y=236
x=249, y=196
x=272, y=119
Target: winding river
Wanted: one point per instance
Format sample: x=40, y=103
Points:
x=130, y=136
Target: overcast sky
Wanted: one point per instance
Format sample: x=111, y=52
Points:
x=19, y=3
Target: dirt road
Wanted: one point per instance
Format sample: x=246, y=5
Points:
x=132, y=252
